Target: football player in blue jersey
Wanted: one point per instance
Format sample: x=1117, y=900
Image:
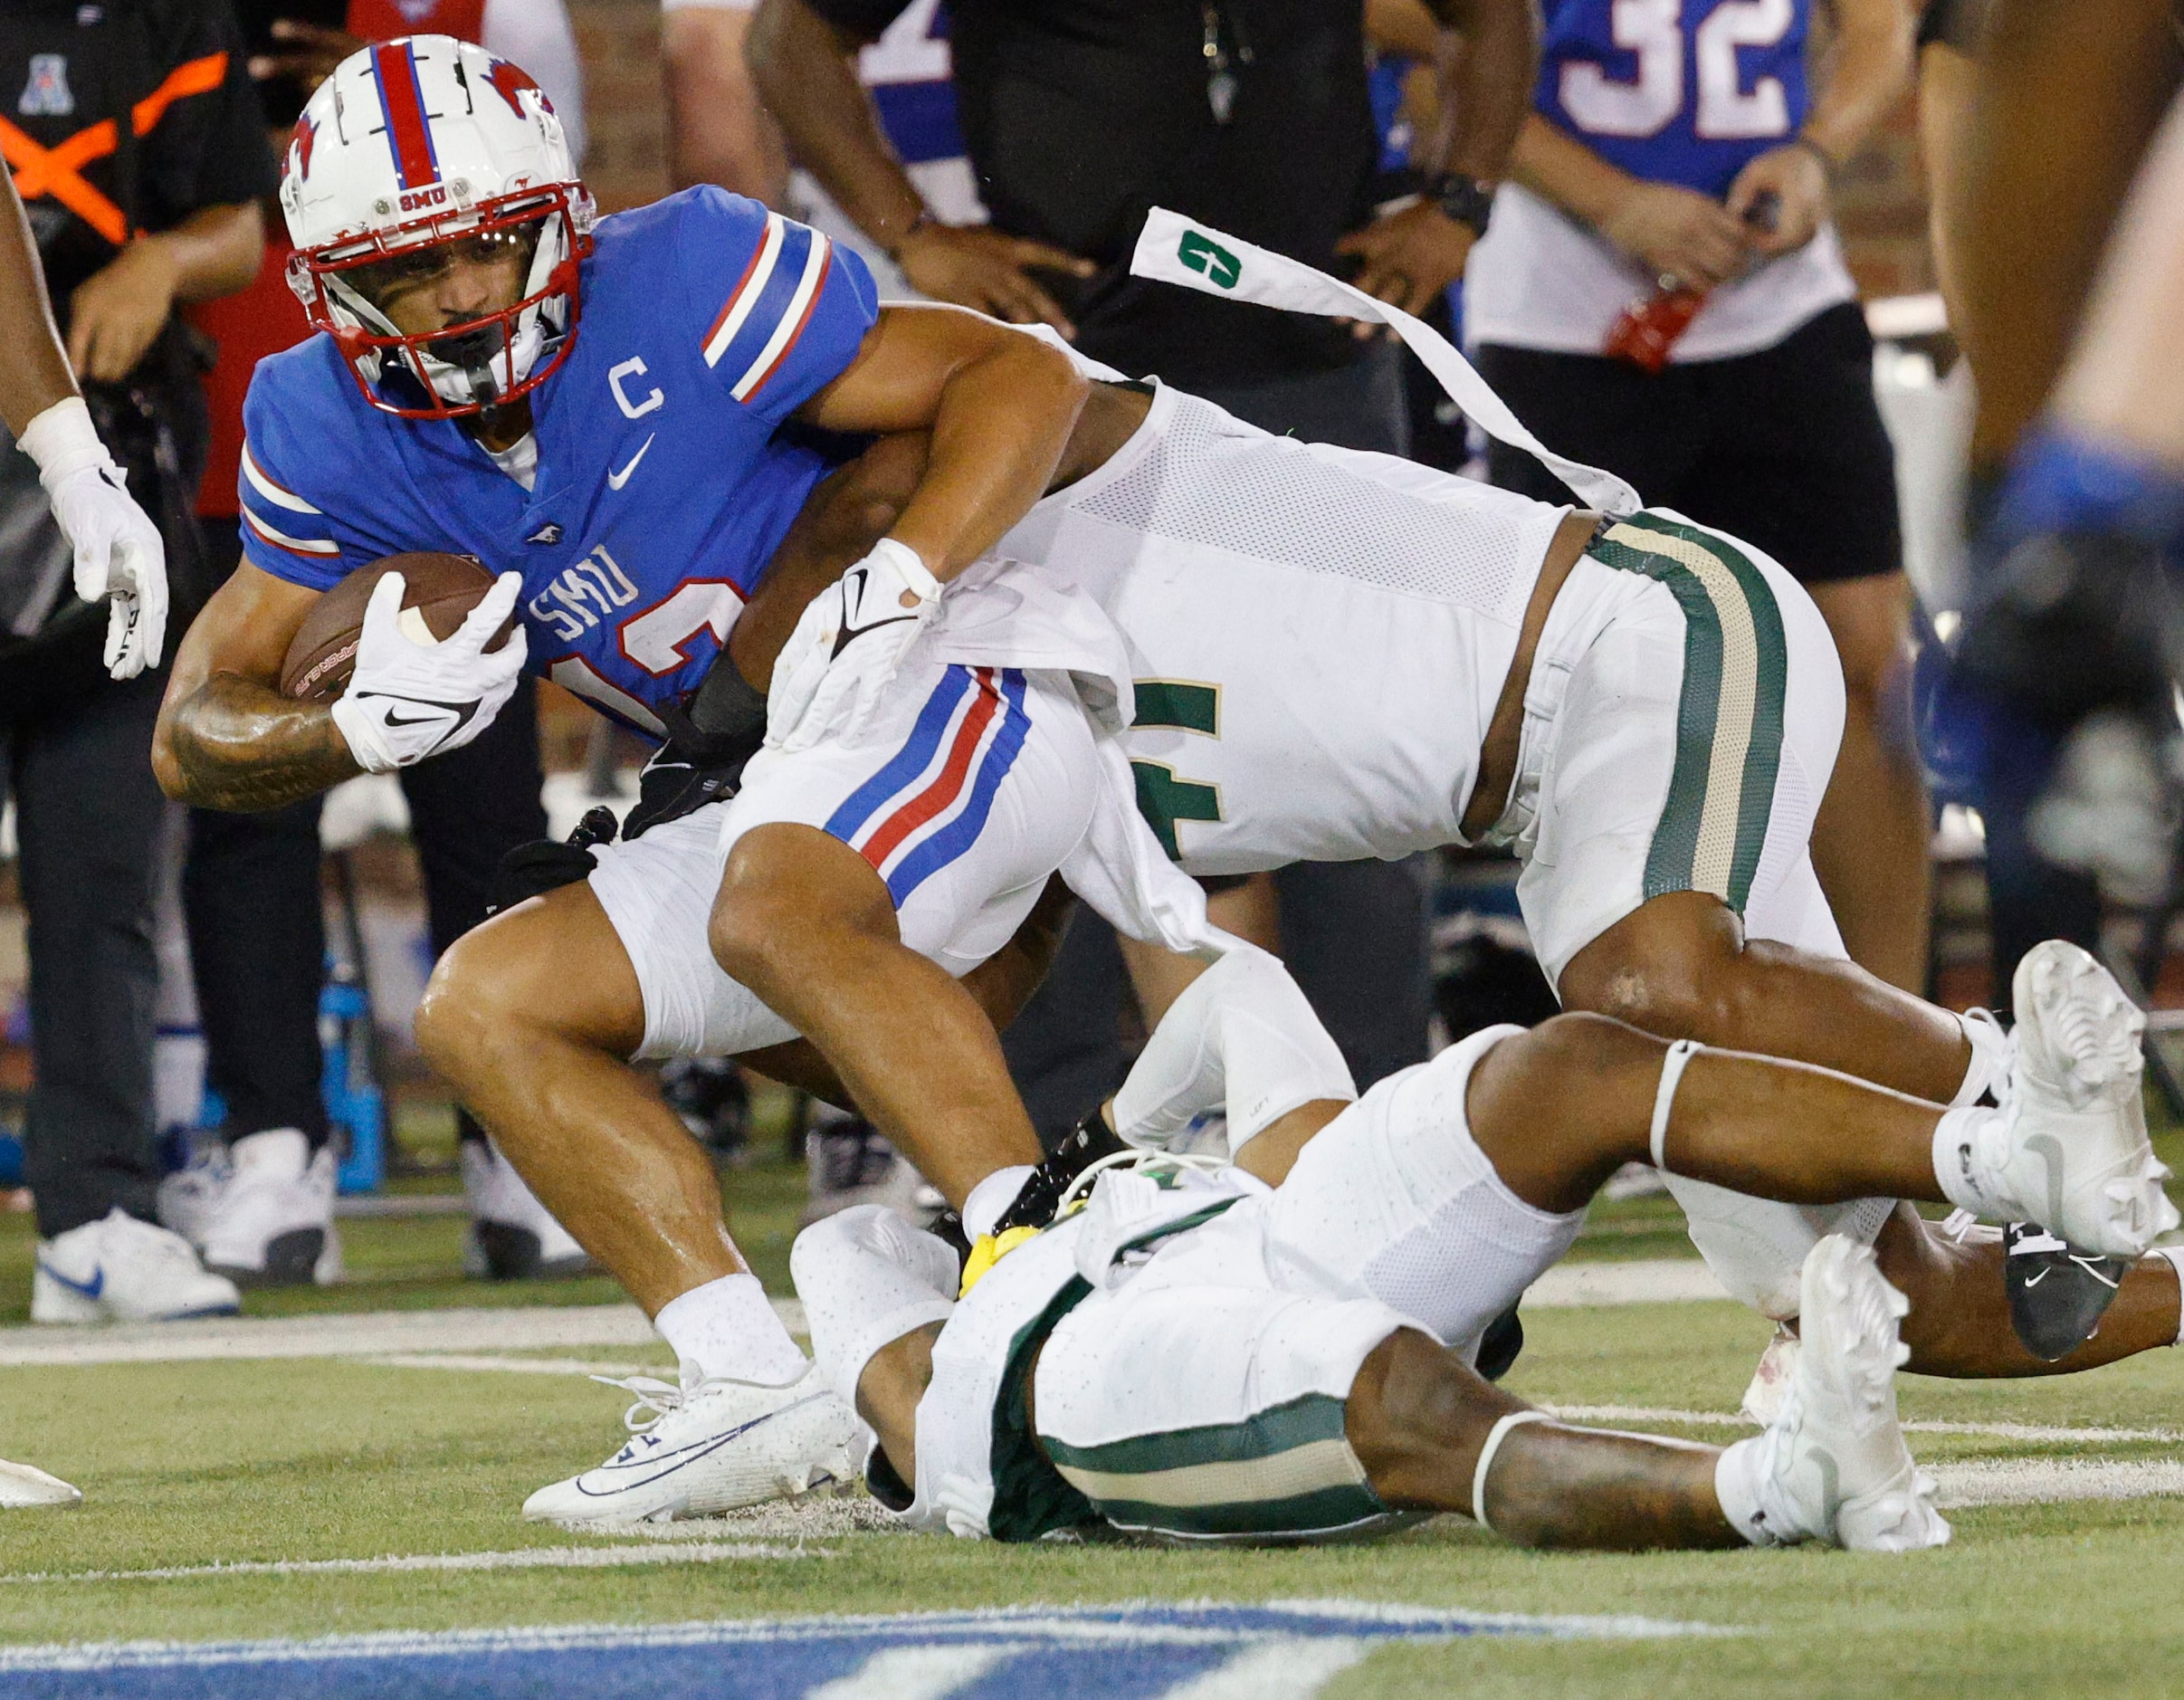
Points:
x=1669, y=204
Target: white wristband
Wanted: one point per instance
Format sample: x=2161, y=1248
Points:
x=907, y=562
x=63, y=441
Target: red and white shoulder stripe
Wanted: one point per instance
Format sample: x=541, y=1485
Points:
x=766, y=313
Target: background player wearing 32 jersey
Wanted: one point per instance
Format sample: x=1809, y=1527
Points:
x=1664, y=140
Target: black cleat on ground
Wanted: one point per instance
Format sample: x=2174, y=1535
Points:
x=1501, y=1344
x=2057, y=1297
x=709, y=1094
x=292, y=1260
x=513, y=1254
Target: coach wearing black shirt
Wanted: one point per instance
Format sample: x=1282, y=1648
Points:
x=1252, y=115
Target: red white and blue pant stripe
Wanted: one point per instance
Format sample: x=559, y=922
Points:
x=926, y=806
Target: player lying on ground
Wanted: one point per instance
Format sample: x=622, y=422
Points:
x=1197, y=1356
x=1296, y=575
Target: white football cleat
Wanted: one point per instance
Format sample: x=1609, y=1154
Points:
x=1833, y=1465
x=720, y=1445
x=265, y=1216
x=512, y=1236
x=120, y=1270
x=24, y=1487
x=2069, y=1148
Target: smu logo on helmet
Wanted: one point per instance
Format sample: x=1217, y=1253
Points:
x=423, y=197
x=509, y=80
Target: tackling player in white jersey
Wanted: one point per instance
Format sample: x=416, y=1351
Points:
x=1195, y=1356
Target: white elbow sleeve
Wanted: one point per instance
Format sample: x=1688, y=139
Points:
x=1242, y=1038
x=867, y=1278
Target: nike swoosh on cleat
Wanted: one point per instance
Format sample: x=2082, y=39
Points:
x=615, y=481
x=691, y=1454
x=2034, y=1280
x=89, y=1289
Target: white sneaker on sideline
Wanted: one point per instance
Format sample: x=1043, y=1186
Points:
x=696, y=1451
x=1833, y=1463
x=120, y=1270
x=512, y=1236
x=262, y=1217
x=2070, y=1150
x=24, y=1487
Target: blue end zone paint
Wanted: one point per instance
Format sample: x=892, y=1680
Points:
x=1126, y=1652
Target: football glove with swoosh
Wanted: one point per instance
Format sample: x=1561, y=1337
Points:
x=848, y=645
x=406, y=700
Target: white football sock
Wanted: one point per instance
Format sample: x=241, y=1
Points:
x=1990, y=1066
x=1959, y=1166
x=990, y=1197
x=726, y=1330
x=1750, y=1497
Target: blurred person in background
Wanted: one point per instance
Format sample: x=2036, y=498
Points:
x=1663, y=294
x=114, y=551
x=134, y=141
x=2069, y=283
x=261, y=1211
x=1255, y=118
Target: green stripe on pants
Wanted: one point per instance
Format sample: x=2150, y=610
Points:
x=1729, y=721
x=1285, y=1470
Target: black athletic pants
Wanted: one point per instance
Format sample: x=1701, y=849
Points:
x=88, y=822
x=257, y=933
x=1353, y=933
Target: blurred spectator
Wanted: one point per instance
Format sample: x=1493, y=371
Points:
x=137, y=149
x=263, y=1212
x=1257, y=119
x=1664, y=295
x=717, y=130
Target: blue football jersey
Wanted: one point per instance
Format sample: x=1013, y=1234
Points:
x=663, y=487
x=1683, y=91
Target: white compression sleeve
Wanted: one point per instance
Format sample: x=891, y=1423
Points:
x=867, y=1278
x=1241, y=1036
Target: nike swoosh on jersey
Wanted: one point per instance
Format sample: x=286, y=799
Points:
x=615, y=481
x=89, y=1289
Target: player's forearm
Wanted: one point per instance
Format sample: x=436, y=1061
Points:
x=1003, y=422
x=35, y=373
x=1486, y=73
x=805, y=73
x=1561, y=170
x=236, y=744
x=2068, y=98
x=718, y=129
x=216, y=251
x=1870, y=68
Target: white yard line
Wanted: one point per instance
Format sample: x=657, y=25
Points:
x=2054, y=1481
x=1289, y=1667
x=918, y=1673
x=1648, y=1281
x=529, y=1558
x=371, y=1334
x=2037, y=1432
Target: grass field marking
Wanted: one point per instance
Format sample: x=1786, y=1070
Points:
x=526, y=1558
x=2036, y=1433
x=2054, y=1481
x=366, y=1334
x=468, y=1360
x=1288, y=1668
x=1642, y=1281
x=1130, y=1623
x=918, y=1673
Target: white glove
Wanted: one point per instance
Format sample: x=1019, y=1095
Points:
x=120, y=558
x=832, y=672
x=407, y=701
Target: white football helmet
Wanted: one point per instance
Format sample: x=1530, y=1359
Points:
x=418, y=145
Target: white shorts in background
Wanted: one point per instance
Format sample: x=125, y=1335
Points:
x=1203, y=1399
x=975, y=785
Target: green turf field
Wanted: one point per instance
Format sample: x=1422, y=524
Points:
x=187, y=1465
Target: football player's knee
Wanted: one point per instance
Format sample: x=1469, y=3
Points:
x=464, y=1007
x=1416, y=1411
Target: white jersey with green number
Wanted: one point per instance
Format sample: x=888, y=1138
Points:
x=1318, y=635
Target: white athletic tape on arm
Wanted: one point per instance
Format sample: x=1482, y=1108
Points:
x=2175, y=1254
x=1671, y=1075
x=1176, y=250
x=1495, y=1438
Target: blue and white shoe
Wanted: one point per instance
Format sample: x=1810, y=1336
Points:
x=118, y=1269
x=719, y=1446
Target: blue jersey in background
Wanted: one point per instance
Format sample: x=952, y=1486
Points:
x=662, y=488
x=1685, y=92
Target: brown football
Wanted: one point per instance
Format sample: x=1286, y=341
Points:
x=437, y=591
